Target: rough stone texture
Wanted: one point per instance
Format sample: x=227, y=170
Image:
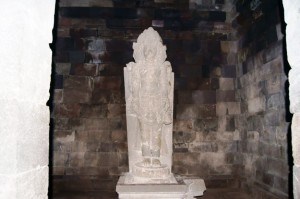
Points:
x=94, y=44
x=261, y=81
x=24, y=114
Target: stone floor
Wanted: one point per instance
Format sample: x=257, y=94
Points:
x=209, y=194
x=73, y=188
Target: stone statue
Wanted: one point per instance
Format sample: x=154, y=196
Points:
x=149, y=93
x=149, y=87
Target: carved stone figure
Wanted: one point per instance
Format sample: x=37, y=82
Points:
x=149, y=88
x=149, y=83
x=149, y=91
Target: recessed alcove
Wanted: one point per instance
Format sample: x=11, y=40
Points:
x=231, y=122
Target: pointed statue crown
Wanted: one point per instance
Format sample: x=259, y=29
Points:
x=151, y=39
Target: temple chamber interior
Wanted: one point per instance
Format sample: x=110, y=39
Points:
x=231, y=122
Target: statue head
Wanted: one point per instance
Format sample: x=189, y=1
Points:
x=149, y=52
x=149, y=47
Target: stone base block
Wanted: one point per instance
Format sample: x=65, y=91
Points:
x=132, y=179
x=161, y=172
x=184, y=188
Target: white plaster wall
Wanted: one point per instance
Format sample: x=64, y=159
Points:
x=292, y=18
x=25, y=69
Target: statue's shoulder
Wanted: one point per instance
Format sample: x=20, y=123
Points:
x=131, y=65
x=167, y=66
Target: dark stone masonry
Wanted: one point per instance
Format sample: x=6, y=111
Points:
x=261, y=88
x=230, y=123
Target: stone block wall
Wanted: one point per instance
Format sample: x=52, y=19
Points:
x=263, y=123
x=94, y=42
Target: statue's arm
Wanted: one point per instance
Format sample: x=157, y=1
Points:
x=164, y=86
x=129, y=77
x=133, y=87
x=166, y=77
x=129, y=99
x=167, y=89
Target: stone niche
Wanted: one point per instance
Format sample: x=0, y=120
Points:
x=149, y=91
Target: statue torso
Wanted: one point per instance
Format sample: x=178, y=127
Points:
x=148, y=92
x=149, y=80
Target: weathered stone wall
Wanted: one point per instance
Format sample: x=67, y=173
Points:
x=263, y=151
x=94, y=44
x=26, y=31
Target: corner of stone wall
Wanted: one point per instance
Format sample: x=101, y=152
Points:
x=261, y=79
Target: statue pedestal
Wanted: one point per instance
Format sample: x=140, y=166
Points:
x=161, y=172
x=180, y=188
